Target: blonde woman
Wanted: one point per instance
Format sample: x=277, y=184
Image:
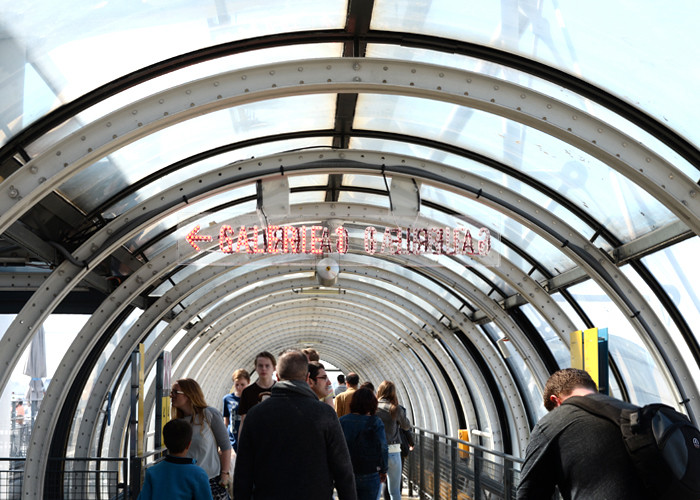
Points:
x=394, y=418
x=209, y=434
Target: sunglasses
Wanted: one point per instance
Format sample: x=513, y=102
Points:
x=175, y=393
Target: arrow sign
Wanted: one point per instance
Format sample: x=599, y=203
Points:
x=192, y=238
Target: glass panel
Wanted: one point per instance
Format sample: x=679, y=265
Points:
x=365, y=181
x=92, y=379
x=531, y=392
x=207, y=165
x=296, y=181
x=366, y=198
x=114, y=40
x=575, y=175
x=640, y=373
x=307, y=197
x=571, y=36
x=556, y=345
x=519, y=235
x=185, y=139
x=673, y=267
x=538, y=85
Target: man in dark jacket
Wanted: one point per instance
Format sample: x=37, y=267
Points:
x=293, y=446
x=580, y=453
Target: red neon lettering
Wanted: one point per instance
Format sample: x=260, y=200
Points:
x=370, y=244
x=192, y=238
x=485, y=244
x=316, y=240
x=343, y=238
x=392, y=240
x=274, y=239
x=226, y=234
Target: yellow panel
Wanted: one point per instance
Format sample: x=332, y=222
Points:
x=576, y=349
x=590, y=353
x=463, y=434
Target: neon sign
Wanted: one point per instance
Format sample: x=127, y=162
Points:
x=321, y=240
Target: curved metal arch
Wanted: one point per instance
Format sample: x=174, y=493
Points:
x=383, y=330
x=423, y=41
x=431, y=398
x=217, y=322
x=341, y=75
x=458, y=183
x=485, y=346
x=147, y=355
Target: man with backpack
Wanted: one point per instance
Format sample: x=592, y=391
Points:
x=580, y=453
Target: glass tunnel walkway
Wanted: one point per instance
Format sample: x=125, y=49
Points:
x=433, y=192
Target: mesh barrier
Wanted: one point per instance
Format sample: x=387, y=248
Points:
x=438, y=468
x=69, y=479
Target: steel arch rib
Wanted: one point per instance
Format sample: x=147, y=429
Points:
x=346, y=75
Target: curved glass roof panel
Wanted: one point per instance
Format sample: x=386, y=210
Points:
x=545, y=87
x=640, y=372
x=148, y=32
x=576, y=175
x=559, y=348
x=572, y=36
x=143, y=157
x=681, y=285
x=178, y=77
x=524, y=238
x=72, y=190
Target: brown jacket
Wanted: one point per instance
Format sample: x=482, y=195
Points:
x=342, y=402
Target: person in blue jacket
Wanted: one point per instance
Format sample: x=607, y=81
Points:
x=177, y=477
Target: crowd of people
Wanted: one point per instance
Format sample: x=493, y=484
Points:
x=307, y=441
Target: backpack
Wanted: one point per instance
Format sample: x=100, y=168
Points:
x=662, y=443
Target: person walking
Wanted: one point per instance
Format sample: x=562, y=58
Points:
x=210, y=443
x=394, y=418
x=364, y=433
x=580, y=453
x=293, y=447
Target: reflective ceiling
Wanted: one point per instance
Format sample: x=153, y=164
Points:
x=548, y=131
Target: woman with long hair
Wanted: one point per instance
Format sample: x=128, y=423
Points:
x=394, y=418
x=209, y=434
x=364, y=433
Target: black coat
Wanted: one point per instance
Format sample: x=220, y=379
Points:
x=292, y=447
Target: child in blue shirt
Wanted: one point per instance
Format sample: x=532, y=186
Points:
x=177, y=476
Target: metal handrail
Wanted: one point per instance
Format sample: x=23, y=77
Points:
x=447, y=468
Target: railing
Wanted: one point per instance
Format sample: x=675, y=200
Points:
x=445, y=468
x=69, y=478
x=439, y=468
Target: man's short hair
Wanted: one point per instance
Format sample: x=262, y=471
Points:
x=293, y=365
x=341, y=379
x=314, y=368
x=562, y=382
x=265, y=354
x=241, y=373
x=177, y=435
x=353, y=379
x=363, y=402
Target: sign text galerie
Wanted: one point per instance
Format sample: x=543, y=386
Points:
x=320, y=240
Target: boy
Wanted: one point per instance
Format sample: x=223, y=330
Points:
x=176, y=477
x=241, y=379
x=265, y=368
